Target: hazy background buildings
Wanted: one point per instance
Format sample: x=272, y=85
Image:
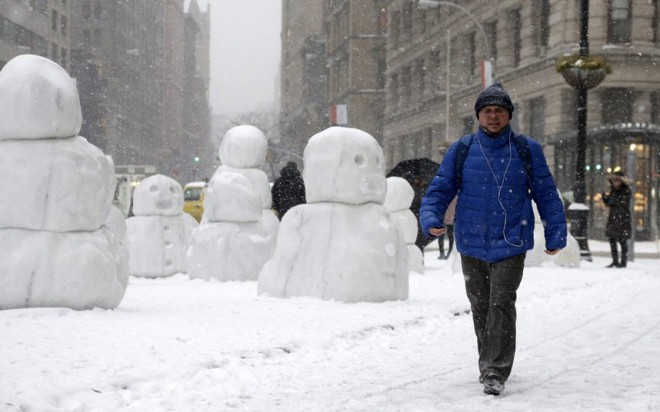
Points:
x=142, y=70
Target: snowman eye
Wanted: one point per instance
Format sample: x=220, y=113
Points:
x=153, y=188
x=172, y=189
x=359, y=160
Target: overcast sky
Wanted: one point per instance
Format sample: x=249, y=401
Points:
x=245, y=53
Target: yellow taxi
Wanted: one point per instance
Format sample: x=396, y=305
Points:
x=193, y=199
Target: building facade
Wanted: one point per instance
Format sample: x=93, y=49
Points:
x=303, y=80
x=434, y=75
x=355, y=33
x=40, y=27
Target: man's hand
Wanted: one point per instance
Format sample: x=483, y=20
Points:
x=436, y=231
x=552, y=252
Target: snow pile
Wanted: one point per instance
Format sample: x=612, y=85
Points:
x=568, y=257
x=159, y=233
x=232, y=243
x=55, y=246
x=343, y=244
x=399, y=197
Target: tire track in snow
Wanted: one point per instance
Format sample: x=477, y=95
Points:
x=593, y=361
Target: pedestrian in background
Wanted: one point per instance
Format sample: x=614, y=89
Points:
x=496, y=174
x=618, y=227
x=288, y=189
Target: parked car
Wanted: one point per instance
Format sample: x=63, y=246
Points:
x=193, y=199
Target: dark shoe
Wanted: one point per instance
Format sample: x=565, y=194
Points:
x=493, y=384
x=621, y=265
x=613, y=265
x=442, y=256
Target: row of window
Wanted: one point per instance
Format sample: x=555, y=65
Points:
x=411, y=23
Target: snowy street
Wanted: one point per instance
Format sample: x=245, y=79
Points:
x=587, y=341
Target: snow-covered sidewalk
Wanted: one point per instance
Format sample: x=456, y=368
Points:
x=588, y=340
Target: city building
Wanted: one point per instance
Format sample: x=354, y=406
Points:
x=355, y=33
x=304, y=88
x=40, y=27
x=434, y=55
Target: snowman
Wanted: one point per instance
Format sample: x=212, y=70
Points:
x=343, y=244
x=159, y=232
x=60, y=241
x=232, y=243
x=398, y=200
x=568, y=257
x=243, y=150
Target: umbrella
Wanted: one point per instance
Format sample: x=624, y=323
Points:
x=419, y=173
x=422, y=168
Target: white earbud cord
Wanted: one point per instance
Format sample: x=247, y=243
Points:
x=500, y=186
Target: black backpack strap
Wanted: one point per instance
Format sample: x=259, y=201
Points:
x=521, y=145
x=461, y=154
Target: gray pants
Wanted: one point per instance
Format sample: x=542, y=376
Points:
x=491, y=289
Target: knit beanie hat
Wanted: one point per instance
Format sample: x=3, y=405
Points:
x=494, y=95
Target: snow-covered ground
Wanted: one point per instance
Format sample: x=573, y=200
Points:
x=588, y=340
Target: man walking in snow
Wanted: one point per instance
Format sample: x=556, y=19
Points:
x=495, y=173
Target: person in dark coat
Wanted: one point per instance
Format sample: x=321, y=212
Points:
x=288, y=189
x=494, y=225
x=618, y=227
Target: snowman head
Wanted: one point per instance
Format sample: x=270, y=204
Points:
x=38, y=100
x=344, y=165
x=243, y=147
x=158, y=195
x=400, y=194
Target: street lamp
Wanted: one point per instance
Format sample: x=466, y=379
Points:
x=582, y=78
x=487, y=72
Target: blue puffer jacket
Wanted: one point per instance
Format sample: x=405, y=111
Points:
x=482, y=228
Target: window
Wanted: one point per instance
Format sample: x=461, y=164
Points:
x=97, y=38
x=54, y=20
x=468, y=124
x=87, y=37
x=490, y=29
x=470, y=55
x=395, y=28
x=655, y=21
x=537, y=117
x=86, y=9
x=53, y=52
x=97, y=10
x=617, y=105
x=655, y=107
x=516, y=40
x=63, y=24
x=541, y=24
x=619, y=24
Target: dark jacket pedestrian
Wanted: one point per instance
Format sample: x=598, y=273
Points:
x=618, y=228
x=288, y=189
x=494, y=224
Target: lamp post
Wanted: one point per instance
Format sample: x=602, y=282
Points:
x=582, y=78
x=487, y=68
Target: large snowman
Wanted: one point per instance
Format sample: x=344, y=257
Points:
x=243, y=150
x=232, y=243
x=57, y=247
x=159, y=233
x=400, y=195
x=343, y=244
